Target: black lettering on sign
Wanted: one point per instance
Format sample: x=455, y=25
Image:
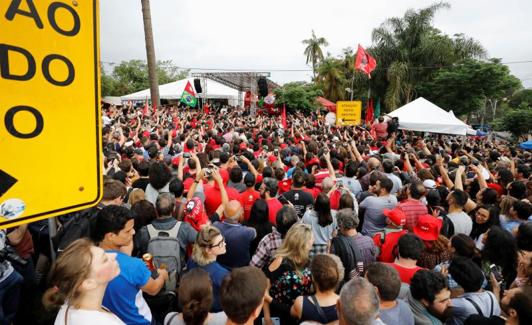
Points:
x=10, y=124
x=46, y=69
x=14, y=10
x=51, y=18
x=4, y=63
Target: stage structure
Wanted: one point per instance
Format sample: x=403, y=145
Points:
x=241, y=81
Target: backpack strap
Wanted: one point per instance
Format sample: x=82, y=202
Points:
x=169, y=321
x=479, y=311
x=318, y=308
x=383, y=236
x=172, y=232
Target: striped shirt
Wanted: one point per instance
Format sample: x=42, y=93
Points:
x=413, y=209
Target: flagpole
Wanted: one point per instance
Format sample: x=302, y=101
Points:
x=352, y=85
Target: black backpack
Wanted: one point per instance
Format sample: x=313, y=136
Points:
x=447, y=228
x=75, y=225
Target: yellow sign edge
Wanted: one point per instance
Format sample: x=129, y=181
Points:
x=99, y=190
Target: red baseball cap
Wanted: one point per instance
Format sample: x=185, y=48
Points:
x=428, y=227
x=272, y=158
x=243, y=146
x=396, y=216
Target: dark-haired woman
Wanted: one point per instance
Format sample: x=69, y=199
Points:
x=484, y=217
x=258, y=219
x=195, y=296
x=500, y=249
x=323, y=224
x=327, y=272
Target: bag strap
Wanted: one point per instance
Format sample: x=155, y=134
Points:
x=171, y=319
x=319, y=309
x=479, y=311
x=172, y=232
x=491, y=304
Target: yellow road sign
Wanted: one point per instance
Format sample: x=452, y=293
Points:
x=348, y=112
x=50, y=129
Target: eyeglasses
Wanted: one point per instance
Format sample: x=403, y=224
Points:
x=220, y=244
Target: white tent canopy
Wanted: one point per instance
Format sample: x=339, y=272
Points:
x=211, y=90
x=422, y=115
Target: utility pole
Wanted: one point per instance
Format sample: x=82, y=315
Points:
x=150, y=53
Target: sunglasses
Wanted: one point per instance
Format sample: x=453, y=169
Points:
x=220, y=244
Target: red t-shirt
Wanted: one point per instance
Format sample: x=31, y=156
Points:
x=405, y=274
x=387, y=248
x=284, y=185
x=213, y=197
x=273, y=206
x=249, y=196
x=313, y=191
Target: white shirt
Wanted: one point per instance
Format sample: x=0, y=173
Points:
x=462, y=222
x=85, y=317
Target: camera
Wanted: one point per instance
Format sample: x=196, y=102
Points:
x=9, y=254
x=186, y=155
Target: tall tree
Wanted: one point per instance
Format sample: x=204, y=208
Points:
x=409, y=50
x=467, y=87
x=150, y=52
x=331, y=78
x=313, y=50
x=297, y=96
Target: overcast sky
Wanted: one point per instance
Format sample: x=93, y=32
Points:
x=267, y=35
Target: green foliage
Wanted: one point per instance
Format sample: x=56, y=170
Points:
x=131, y=76
x=297, y=96
x=466, y=87
x=517, y=121
x=331, y=78
x=521, y=97
x=409, y=50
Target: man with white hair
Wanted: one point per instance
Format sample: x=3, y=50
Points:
x=237, y=236
x=358, y=303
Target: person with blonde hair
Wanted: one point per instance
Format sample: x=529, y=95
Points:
x=289, y=273
x=78, y=281
x=208, y=246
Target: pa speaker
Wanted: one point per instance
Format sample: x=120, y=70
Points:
x=197, y=85
x=263, y=87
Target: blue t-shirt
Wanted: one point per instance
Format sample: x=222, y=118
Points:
x=238, y=239
x=217, y=274
x=123, y=295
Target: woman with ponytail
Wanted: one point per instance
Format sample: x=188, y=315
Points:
x=195, y=296
x=78, y=280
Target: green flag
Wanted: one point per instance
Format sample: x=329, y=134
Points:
x=377, y=112
x=189, y=96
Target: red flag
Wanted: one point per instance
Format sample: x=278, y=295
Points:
x=369, y=112
x=189, y=89
x=284, y=117
x=365, y=62
x=145, y=109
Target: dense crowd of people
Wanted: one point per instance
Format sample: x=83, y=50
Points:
x=222, y=217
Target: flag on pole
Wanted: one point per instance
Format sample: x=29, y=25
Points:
x=189, y=96
x=369, y=112
x=377, y=108
x=365, y=62
x=283, y=116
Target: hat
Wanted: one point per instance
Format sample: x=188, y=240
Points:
x=429, y=184
x=428, y=227
x=243, y=146
x=175, y=161
x=396, y=216
x=272, y=158
x=313, y=161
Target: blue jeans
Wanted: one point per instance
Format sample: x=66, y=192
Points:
x=9, y=297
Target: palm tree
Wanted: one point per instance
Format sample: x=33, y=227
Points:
x=331, y=78
x=410, y=49
x=313, y=50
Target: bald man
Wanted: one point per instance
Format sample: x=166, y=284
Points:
x=237, y=237
x=374, y=166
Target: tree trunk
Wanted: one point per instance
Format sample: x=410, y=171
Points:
x=150, y=53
